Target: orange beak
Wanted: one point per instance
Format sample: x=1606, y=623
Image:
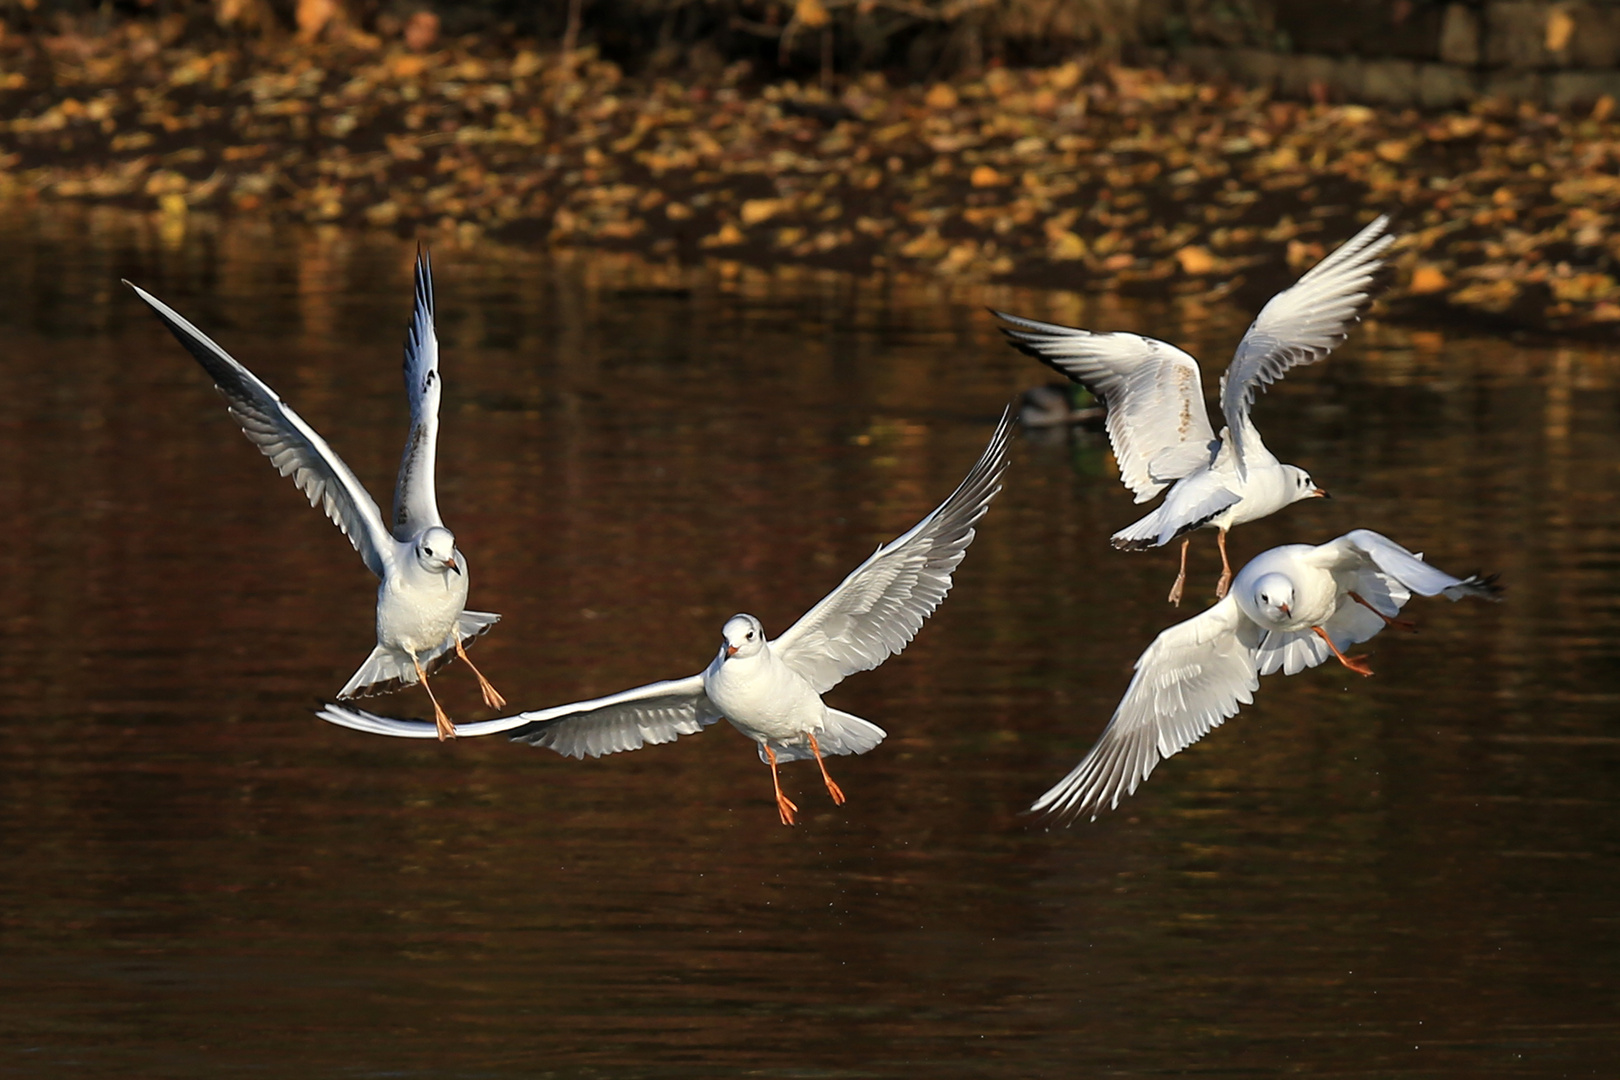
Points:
x=731, y=650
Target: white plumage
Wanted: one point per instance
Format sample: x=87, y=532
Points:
x=770, y=690
x=1156, y=419
x=422, y=594
x=1289, y=609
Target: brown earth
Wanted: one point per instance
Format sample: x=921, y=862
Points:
x=1091, y=178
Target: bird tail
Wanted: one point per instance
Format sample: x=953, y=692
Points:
x=842, y=733
x=1142, y=534
x=387, y=669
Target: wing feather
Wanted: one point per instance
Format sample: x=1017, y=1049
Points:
x=1302, y=324
x=1363, y=549
x=876, y=611
x=292, y=446
x=1152, y=391
x=656, y=713
x=1192, y=678
x=416, y=506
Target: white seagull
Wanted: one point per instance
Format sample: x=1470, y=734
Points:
x=1289, y=609
x=771, y=690
x=421, y=617
x=1157, y=421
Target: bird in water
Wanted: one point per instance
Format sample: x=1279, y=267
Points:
x=1289, y=609
x=422, y=621
x=1157, y=421
x=770, y=689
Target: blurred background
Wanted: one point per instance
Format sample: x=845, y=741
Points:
x=711, y=286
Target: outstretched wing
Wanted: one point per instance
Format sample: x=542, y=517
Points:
x=1363, y=550
x=878, y=609
x=1156, y=418
x=1191, y=679
x=1302, y=324
x=1381, y=573
x=292, y=446
x=659, y=712
x=415, y=505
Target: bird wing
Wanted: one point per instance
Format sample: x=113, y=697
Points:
x=1363, y=551
x=1190, y=680
x=1153, y=394
x=415, y=505
x=1302, y=324
x=292, y=446
x=1382, y=573
x=659, y=712
x=878, y=608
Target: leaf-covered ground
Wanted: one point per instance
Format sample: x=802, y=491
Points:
x=1104, y=179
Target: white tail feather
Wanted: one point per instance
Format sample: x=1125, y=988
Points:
x=388, y=669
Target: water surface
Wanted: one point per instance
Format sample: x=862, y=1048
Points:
x=1406, y=876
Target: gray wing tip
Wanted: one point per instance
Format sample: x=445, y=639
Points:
x=1477, y=584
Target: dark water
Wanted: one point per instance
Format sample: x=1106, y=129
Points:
x=1413, y=875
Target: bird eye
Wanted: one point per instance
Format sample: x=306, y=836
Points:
x=750, y=635
x=428, y=552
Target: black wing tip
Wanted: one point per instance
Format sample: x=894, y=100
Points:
x=424, y=278
x=1135, y=545
x=1483, y=585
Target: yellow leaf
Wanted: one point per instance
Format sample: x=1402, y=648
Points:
x=1427, y=279
x=755, y=211
x=1195, y=261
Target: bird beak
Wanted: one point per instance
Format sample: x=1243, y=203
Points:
x=731, y=650
x=1283, y=608
x=1320, y=494
x=451, y=563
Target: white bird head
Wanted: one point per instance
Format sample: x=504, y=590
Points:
x=743, y=636
x=1301, y=486
x=436, y=550
x=1273, y=596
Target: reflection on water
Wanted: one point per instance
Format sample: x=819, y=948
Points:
x=1411, y=875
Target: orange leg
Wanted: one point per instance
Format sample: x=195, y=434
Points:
x=784, y=805
x=447, y=730
x=1354, y=663
x=1401, y=623
x=1181, y=578
x=491, y=697
x=833, y=789
x=1226, y=567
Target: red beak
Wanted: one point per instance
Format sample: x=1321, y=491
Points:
x=731, y=650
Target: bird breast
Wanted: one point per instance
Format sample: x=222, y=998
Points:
x=763, y=697
x=417, y=609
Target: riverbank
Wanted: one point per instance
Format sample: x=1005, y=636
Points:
x=1102, y=179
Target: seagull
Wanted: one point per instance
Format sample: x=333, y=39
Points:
x=1157, y=421
x=421, y=618
x=770, y=690
x=1289, y=609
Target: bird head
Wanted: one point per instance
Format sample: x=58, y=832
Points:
x=1273, y=596
x=742, y=637
x=1301, y=486
x=436, y=550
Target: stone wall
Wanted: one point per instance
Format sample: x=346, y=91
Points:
x=1560, y=55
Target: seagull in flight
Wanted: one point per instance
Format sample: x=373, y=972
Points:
x=1290, y=608
x=1156, y=417
x=770, y=689
x=422, y=623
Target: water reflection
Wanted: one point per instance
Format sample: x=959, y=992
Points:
x=1408, y=875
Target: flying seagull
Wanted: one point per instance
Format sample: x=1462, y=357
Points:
x=1157, y=421
x=421, y=618
x=1290, y=609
